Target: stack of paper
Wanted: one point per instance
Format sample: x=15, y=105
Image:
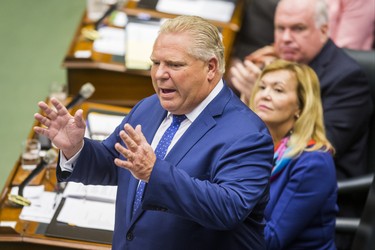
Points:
x=110, y=41
x=43, y=204
x=101, y=125
x=217, y=10
x=89, y=206
x=88, y=214
x=140, y=38
x=91, y=192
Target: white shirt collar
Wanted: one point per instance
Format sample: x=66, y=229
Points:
x=197, y=110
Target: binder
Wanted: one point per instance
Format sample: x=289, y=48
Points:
x=63, y=230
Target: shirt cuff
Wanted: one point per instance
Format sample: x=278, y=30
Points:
x=68, y=165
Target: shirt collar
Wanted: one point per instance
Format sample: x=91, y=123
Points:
x=198, y=110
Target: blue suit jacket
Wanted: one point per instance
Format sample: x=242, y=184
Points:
x=347, y=108
x=211, y=190
x=302, y=209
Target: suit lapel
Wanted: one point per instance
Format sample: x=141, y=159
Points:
x=149, y=129
x=204, y=122
x=320, y=62
x=133, y=184
x=194, y=133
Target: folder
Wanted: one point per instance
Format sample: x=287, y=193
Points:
x=64, y=230
x=140, y=35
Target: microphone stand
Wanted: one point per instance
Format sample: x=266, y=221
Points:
x=20, y=200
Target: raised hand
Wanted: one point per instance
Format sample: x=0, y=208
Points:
x=65, y=131
x=243, y=76
x=263, y=56
x=140, y=155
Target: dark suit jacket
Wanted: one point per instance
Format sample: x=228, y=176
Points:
x=257, y=27
x=302, y=209
x=347, y=108
x=211, y=190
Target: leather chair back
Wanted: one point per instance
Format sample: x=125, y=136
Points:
x=366, y=59
x=365, y=231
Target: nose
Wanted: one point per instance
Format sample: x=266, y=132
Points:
x=266, y=93
x=161, y=71
x=286, y=35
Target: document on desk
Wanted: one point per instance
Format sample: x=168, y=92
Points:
x=139, y=40
x=217, y=10
x=41, y=209
x=89, y=206
x=43, y=204
x=101, y=125
x=111, y=41
x=88, y=214
x=90, y=192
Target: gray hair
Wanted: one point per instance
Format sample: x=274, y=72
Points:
x=321, y=13
x=207, y=42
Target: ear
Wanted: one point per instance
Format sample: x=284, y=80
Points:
x=324, y=30
x=212, y=68
x=298, y=112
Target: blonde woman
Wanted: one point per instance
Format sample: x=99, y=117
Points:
x=303, y=191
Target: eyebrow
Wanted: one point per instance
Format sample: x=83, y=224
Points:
x=168, y=61
x=273, y=82
x=302, y=25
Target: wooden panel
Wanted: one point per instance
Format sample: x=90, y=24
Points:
x=115, y=88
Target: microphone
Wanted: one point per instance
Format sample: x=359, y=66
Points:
x=47, y=159
x=110, y=9
x=85, y=92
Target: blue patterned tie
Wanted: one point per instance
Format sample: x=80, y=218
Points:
x=160, y=152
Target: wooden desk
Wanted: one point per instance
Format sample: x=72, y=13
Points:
x=26, y=234
x=114, y=83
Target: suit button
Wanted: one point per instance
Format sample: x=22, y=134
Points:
x=130, y=236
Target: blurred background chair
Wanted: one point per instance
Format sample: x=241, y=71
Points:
x=362, y=228
x=365, y=232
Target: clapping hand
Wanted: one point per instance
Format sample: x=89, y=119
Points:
x=243, y=74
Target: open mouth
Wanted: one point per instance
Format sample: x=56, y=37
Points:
x=167, y=91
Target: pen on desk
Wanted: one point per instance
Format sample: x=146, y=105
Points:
x=57, y=200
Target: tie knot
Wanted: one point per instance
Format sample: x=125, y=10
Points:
x=177, y=119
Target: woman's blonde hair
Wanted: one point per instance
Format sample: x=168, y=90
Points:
x=206, y=37
x=310, y=124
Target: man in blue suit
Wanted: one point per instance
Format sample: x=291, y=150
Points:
x=211, y=188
